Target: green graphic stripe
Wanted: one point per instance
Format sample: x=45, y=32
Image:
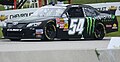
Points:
x=87, y=24
x=93, y=25
x=90, y=25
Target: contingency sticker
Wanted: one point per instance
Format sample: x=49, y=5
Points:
x=60, y=22
x=65, y=25
x=57, y=22
x=114, y=26
x=39, y=31
x=108, y=26
x=61, y=25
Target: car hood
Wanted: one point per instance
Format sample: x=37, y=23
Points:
x=29, y=19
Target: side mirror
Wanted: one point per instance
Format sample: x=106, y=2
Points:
x=64, y=16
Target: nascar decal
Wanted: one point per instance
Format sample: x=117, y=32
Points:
x=76, y=25
x=65, y=24
x=90, y=25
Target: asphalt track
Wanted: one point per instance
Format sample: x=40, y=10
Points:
x=33, y=44
x=56, y=40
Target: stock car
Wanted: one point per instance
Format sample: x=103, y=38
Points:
x=62, y=21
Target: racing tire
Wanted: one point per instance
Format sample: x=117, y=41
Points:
x=64, y=39
x=49, y=31
x=15, y=39
x=99, y=31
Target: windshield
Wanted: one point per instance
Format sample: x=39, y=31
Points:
x=49, y=12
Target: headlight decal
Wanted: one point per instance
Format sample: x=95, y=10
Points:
x=4, y=24
x=34, y=24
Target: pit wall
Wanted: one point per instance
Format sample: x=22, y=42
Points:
x=98, y=55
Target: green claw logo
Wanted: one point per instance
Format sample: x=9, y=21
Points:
x=90, y=25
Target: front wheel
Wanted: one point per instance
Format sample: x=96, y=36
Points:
x=49, y=31
x=99, y=31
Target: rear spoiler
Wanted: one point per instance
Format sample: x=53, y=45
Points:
x=111, y=10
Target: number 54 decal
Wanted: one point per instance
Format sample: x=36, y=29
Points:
x=76, y=25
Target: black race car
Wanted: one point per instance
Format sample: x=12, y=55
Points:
x=62, y=21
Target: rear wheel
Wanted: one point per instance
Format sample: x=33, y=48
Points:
x=49, y=31
x=99, y=32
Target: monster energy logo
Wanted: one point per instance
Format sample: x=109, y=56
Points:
x=90, y=25
x=113, y=16
x=106, y=20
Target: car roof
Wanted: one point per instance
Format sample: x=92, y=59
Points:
x=68, y=5
x=57, y=5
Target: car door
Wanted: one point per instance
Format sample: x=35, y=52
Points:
x=71, y=23
x=76, y=21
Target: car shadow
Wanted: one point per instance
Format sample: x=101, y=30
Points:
x=36, y=40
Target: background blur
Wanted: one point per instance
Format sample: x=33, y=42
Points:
x=28, y=3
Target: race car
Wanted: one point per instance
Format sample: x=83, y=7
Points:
x=61, y=21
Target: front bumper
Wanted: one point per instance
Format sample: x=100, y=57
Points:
x=27, y=33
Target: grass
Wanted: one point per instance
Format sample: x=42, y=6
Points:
x=2, y=7
x=115, y=34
